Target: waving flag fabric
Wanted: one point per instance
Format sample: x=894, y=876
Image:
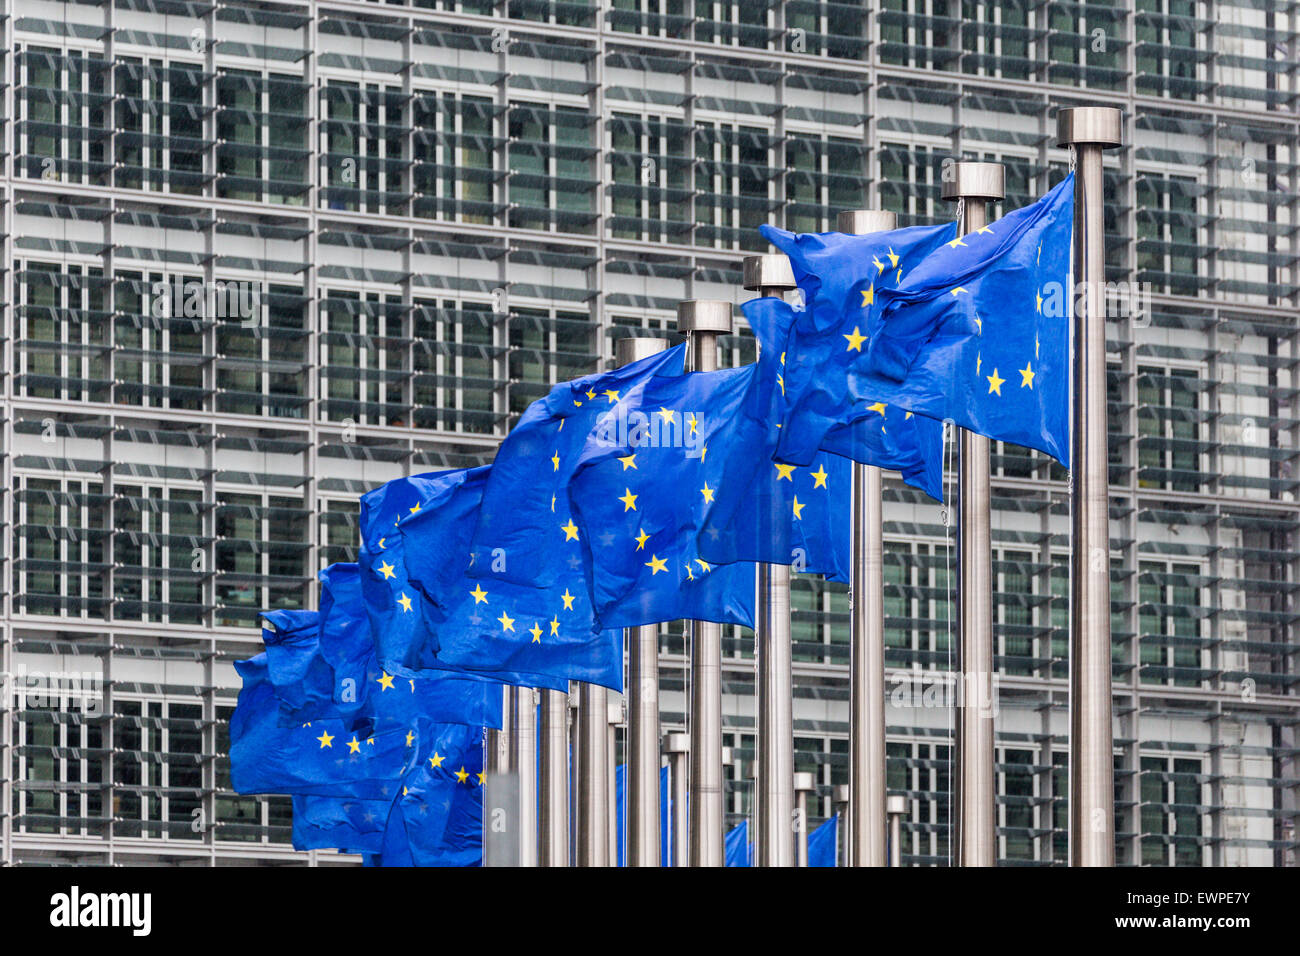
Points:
x=639, y=494
x=979, y=331
x=524, y=501
x=823, y=843
x=736, y=848
x=842, y=278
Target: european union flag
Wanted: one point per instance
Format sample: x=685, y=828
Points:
x=437, y=820
x=524, y=504
x=540, y=637
x=325, y=757
x=640, y=492
x=665, y=811
x=736, y=848
x=842, y=278
x=979, y=332
x=765, y=509
x=328, y=668
x=823, y=843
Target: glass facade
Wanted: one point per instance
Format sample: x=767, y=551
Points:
x=261, y=256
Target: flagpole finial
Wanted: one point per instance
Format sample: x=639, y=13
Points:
x=1096, y=125
x=863, y=222
x=633, y=348
x=968, y=180
x=705, y=315
x=768, y=272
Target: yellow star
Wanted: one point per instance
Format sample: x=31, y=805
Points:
x=798, y=509
x=436, y=760
x=480, y=596
x=555, y=461
x=414, y=508
x=1038, y=307
x=552, y=504
x=386, y=570
x=704, y=566
x=570, y=531
x=893, y=258
x=462, y=775
x=960, y=289
x=507, y=622
x=979, y=325
x=1035, y=345
x=979, y=360
x=819, y=477
x=868, y=295
x=880, y=266
x=692, y=421
x=326, y=740
x=354, y=745
x=411, y=681
x=641, y=539
x=567, y=598
x=878, y=407
x=855, y=340
x=612, y=395
x=1027, y=375
x=386, y=681
x=381, y=543
x=405, y=602
x=704, y=450
x=555, y=626
x=983, y=229
x=898, y=278
x=955, y=243
x=995, y=383
x=690, y=575
x=629, y=500
x=784, y=471
x=482, y=779
x=536, y=632
x=410, y=737
x=656, y=564
x=629, y=461
x=591, y=393
x=707, y=492
x=667, y=414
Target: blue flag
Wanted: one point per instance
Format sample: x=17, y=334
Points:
x=437, y=820
x=540, y=637
x=764, y=509
x=823, y=843
x=979, y=332
x=640, y=491
x=736, y=848
x=346, y=824
x=842, y=278
x=327, y=757
x=335, y=672
x=519, y=537
x=620, y=804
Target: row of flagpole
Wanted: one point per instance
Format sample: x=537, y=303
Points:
x=872, y=820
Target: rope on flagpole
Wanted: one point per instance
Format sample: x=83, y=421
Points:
x=949, y=444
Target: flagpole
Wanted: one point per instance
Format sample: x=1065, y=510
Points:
x=554, y=772
x=593, y=784
x=866, y=809
x=677, y=747
x=498, y=741
x=895, y=807
x=841, y=800
x=774, y=839
x=975, y=837
x=523, y=761
x=615, y=715
x=703, y=320
x=642, y=792
x=1090, y=130
x=803, y=785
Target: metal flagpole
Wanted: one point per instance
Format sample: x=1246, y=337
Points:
x=703, y=320
x=1090, y=130
x=642, y=792
x=575, y=772
x=677, y=747
x=774, y=837
x=498, y=741
x=615, y=717
x=841, y=799
x=523, y=761
x=803, y=785
x=554, y=770
x=866, y=808
x=975, y=185
x=895, y=807
x=593, y=784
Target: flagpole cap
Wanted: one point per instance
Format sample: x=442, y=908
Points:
x=841, y=793
x=969, y=180
x=704, y=315
x=676, y=744
x=803, y=782
x=633, y=348
x=770, y=271
x=896, y=803
x=1093, y=125
x=863, y=222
